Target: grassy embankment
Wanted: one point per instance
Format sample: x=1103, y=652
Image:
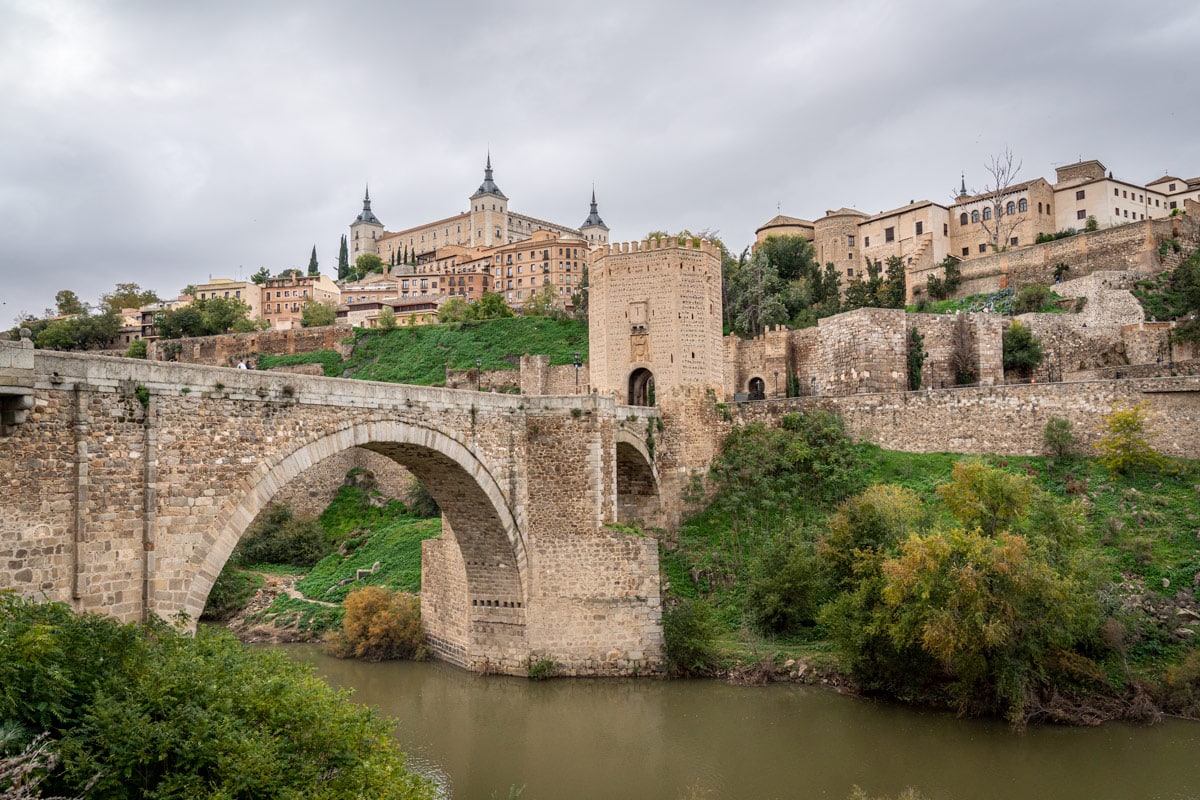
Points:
x=356, y=535
x=420, y=355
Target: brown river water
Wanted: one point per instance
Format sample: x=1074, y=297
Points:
x=579, y=739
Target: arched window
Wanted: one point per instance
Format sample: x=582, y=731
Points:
x=1011, y=208
x=974, y=216
x=1023, y=205
x=962, y=218
x=1039, y=208
x=987, y=213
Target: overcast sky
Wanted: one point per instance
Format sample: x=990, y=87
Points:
x=164, y=142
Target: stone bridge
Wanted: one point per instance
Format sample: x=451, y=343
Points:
x=127, y=485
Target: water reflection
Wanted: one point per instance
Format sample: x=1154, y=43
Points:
x=664, y=740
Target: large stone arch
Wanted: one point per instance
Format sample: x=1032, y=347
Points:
x=486, y=538
x=637, y=484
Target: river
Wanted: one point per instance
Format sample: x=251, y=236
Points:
x=667, y=740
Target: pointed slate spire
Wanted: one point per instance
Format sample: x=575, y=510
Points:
x=593, y=220
x=962, y=190
x=367, y=215
x=488, y=186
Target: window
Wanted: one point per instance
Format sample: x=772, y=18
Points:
x=866, y=241
x=974, y=216
x=987, y=213
x=1079, y=195
x=966, y=252
x=1022, y=205
x=983, y=248
x=1171, y=188
x=1125, y=194
x=945, y=229
x=920, y=228
x=1010, y=208
x=1013, y=241
x=1172, y=204
x=1081, y=214
x=889, y=234
x=1039, y=208
x=962, y=218
x=1116, y=212
x=1116, y=192
x=849, y=272
x=850, y=240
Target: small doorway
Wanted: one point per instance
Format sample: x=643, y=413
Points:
x=758, y=389
x=641, y=387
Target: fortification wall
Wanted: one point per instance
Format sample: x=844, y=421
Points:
x=1007, y=420
x=312, y=490
x=228, y=349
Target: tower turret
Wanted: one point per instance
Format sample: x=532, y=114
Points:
x=593, y=228
x=489, y=212
x=365, y=230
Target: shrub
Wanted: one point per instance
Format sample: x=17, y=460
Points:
x=1031, y=298
x=1057, y=437
x=786, y=589
x=421, y=502
x=231, y=592
x=380, y=625
x=136, y=349
x=1124, y=447
x=1022, y=350
x=279, y=537
x=1181, y=688
x=689, y=633
x=916, y=358
x=542, y=669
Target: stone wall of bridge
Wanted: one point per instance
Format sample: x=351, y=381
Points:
x=130, y=483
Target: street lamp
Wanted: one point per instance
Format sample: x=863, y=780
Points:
x=478, y=368
x=578, y=364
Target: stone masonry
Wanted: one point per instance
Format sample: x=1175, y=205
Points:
x=130, y=482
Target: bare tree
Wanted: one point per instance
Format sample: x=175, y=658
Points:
x=996, y=221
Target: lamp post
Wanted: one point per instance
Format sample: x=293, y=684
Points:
x=478, y=369
x=578, y=364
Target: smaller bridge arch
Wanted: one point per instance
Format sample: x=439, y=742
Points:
x=637, y=482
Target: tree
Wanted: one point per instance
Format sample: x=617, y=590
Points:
x=343, y=264
x=1058, y=438
x=83, y=331
x=962, y=360
x=204, y=317
x=792, y=257
x=895, y=286
x=68, y=303
x=136, y=349
x=128, y=295
x=1022, y=350
x=541, y=304
x=1125, y=447
x=290, y=272
x=318, y=313
x=1003, y=175
x=189, y=290
x=262, y=276
x=491, y=305
x=915, y=358
x=453, y=310
x=945, y=286
x=313, y=267
x=755, y=296
x=366, y=264
x=579, y=298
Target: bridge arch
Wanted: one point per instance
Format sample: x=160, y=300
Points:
x=638, y=489
x=483, y=538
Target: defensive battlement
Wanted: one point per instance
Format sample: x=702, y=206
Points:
x=656, y=243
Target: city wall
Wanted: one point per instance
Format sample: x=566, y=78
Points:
x=228, y=349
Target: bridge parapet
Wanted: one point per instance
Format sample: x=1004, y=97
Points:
x=16, y=381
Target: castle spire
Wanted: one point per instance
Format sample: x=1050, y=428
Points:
x=593, y=220
x=488, y=186
x=962, y=189
x=367, y=215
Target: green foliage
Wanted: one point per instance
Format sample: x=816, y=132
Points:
x=453, y=310
x=387, y=319
x=318, y=313
x=205, y=317
x=1033, y=297
x=68, y=303
x=136, y=349
x=945, y=286
x=143, y=396
x=155, y=713
x=1125, y=447
x=1180, y=689
x=128, y=295
x=1022, y=350
x=380, y=625
x=313, y=267
x=689, y=633
x=83, y=331
x=364, y=265
x=962, y=359
x=1058, y=438
x=279, y=537
x=230, y=593
x=343, y=263
x=421, y=355
x=1092, y=224
x=421, y=502
x=915, y=359
x=542, y=669
x=330, y=361
x=541, y=304
x=1066, y=233
x=302, y=615
x=877, y=291
x=786, y=587
x=262, y=276
x=1175, y=294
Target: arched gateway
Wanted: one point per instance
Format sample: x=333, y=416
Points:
x=130, y=483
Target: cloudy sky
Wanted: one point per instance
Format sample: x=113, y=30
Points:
x=164, y=142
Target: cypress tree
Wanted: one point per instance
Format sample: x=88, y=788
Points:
x=343, y=260
x=313, y=267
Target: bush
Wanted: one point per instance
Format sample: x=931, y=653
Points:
x=915, y=358
x=689, y=633
x=279, y=537
x=421, y=502
x=1057, y=437
x=1180, y=692
x=1022, y=350
x=786, y=589
x=156, y=713
x=1030, y=298
x=542, y=669
x=230, y=593
x=380, y=625
x=136, y=349
x=1124, y=447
